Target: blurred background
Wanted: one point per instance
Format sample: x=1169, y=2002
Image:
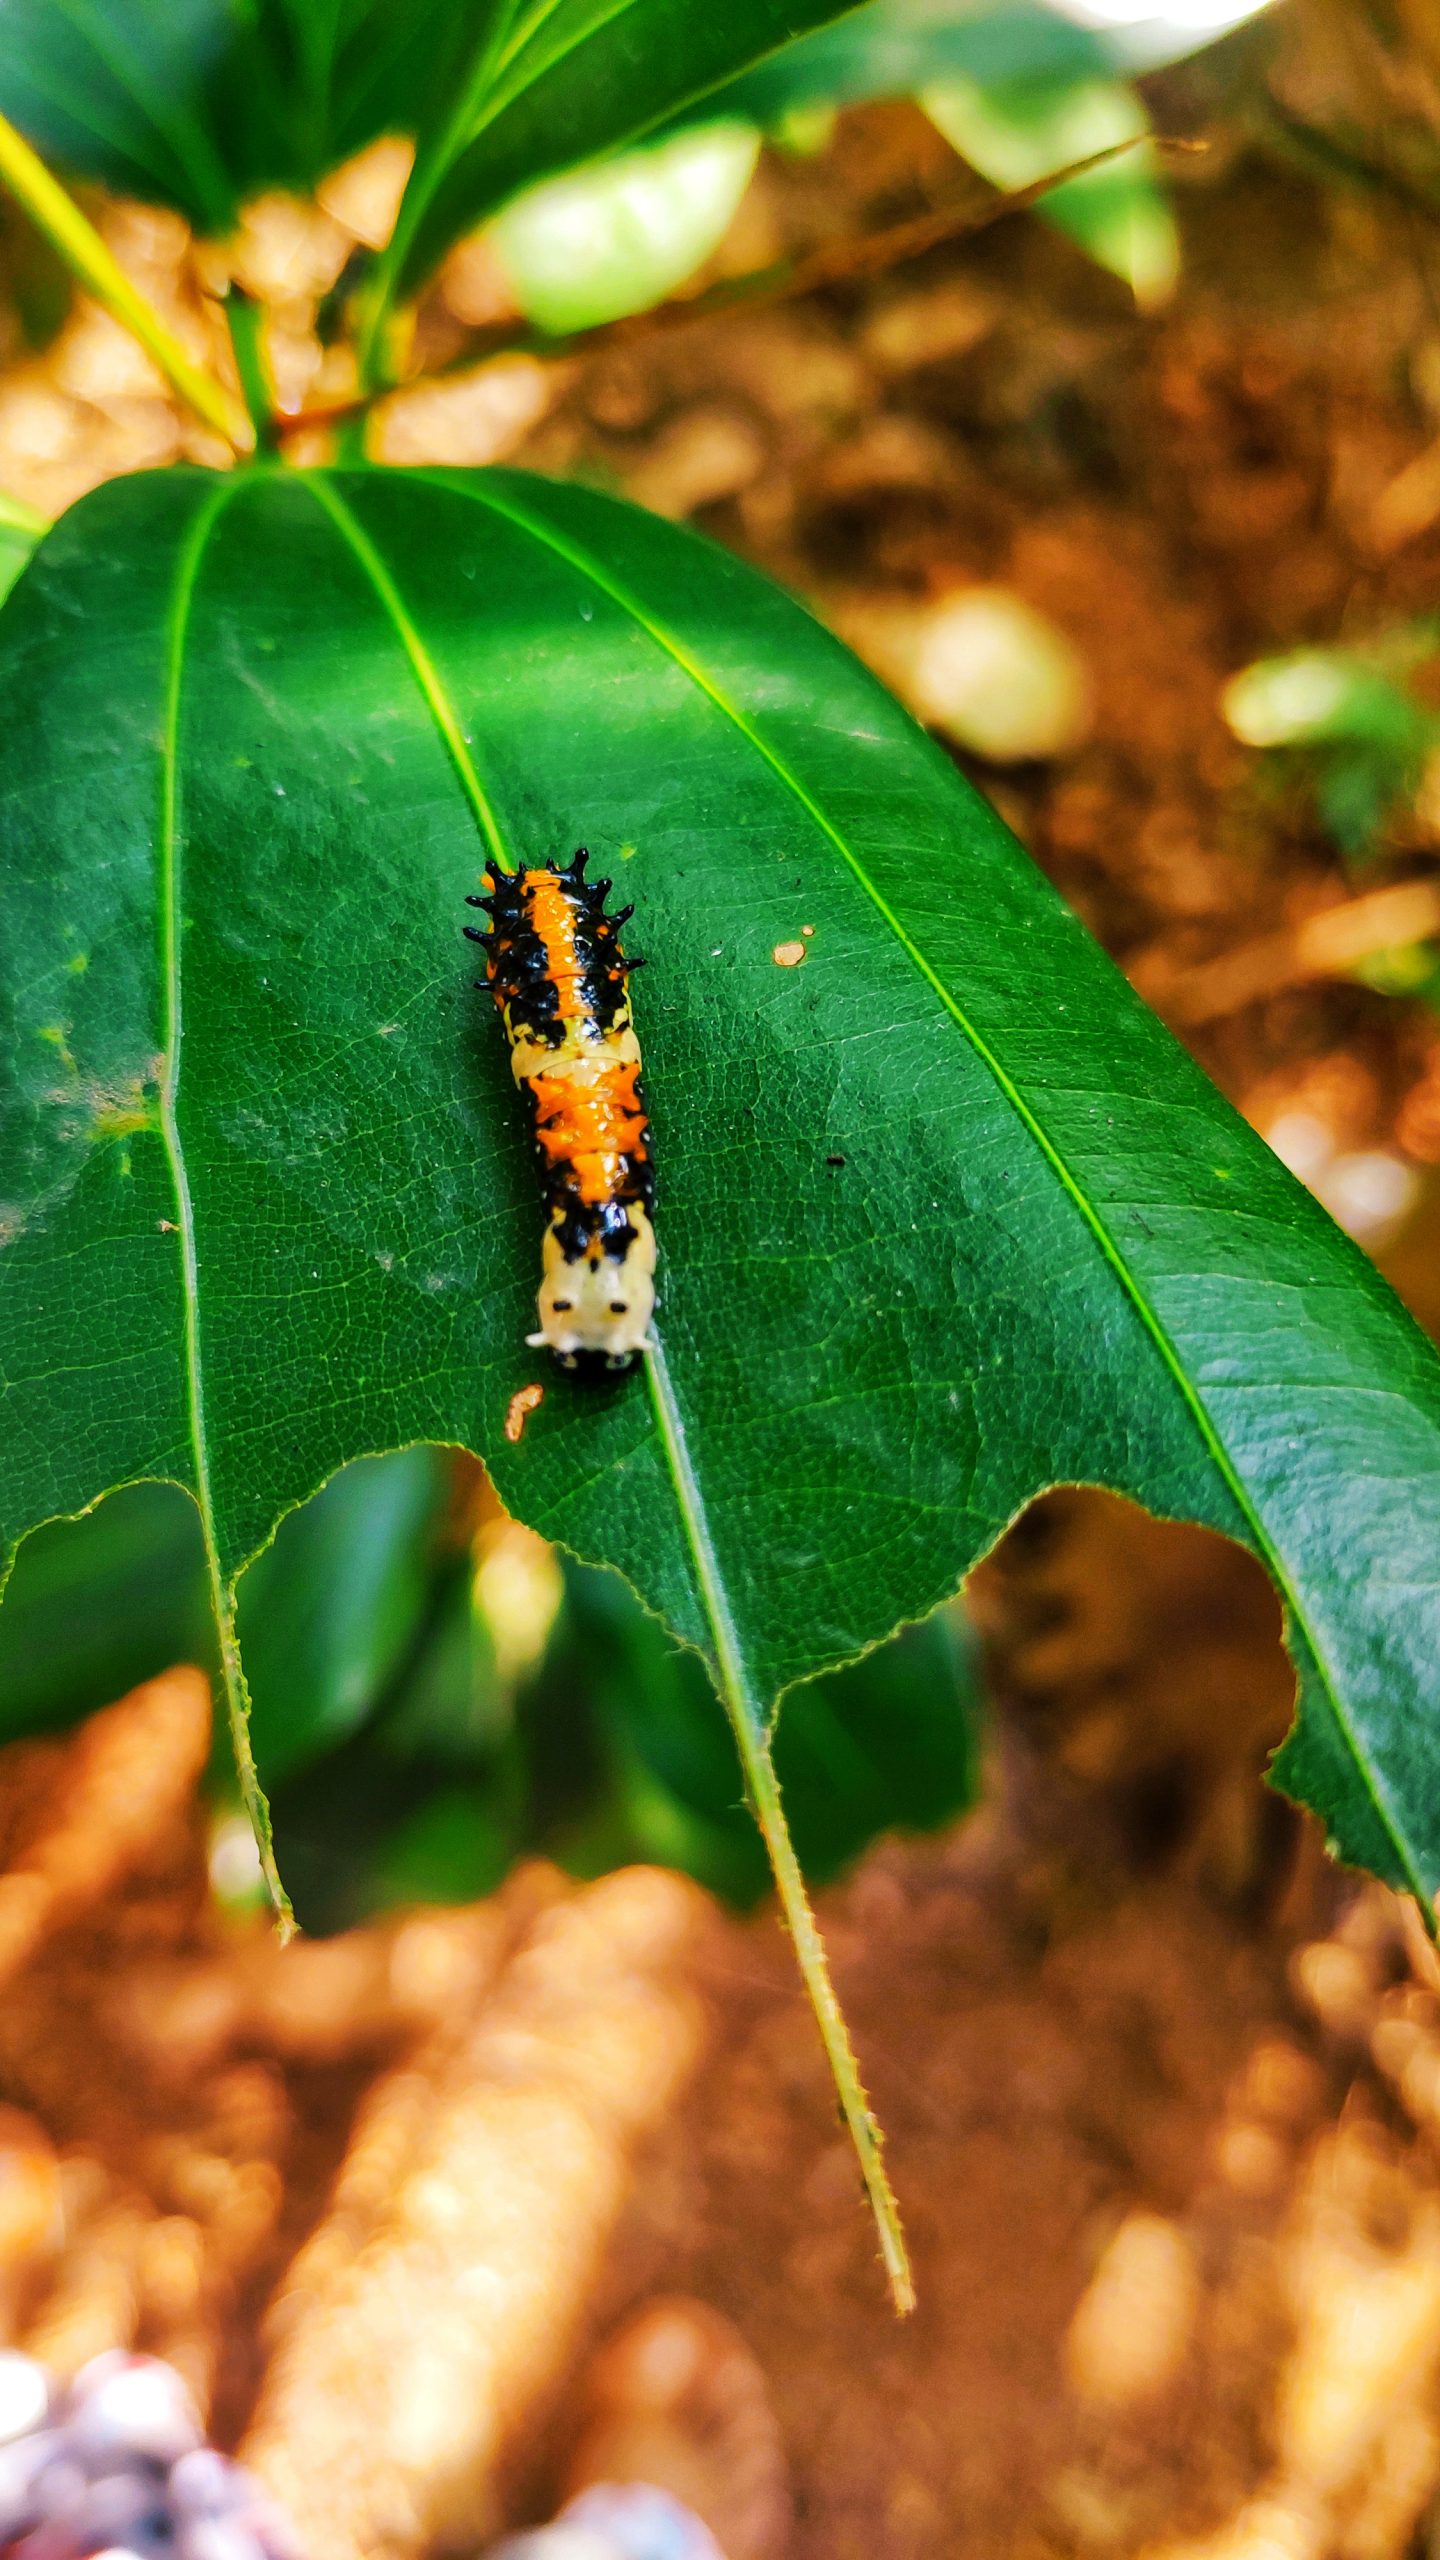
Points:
x=1134, y=496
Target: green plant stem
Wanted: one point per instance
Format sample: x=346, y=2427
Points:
x=16, y=517
x=752, y=1741
x=245, y=321
x=352, y=439
x=433, y=159
x=237, y=1712
x=24, y=175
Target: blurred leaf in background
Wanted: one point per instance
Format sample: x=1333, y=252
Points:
x=894, y=48
x=621, y=235
x=96, y=1605
x=607, y=1745
x=1353, y=728
x=330, y=1609
x=436, y=1694
x=1015, y=132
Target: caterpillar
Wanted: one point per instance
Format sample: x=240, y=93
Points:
x=554, y=966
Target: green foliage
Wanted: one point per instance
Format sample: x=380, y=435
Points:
x=945, y=1215
x=20, y=530
x=888, y=1743
x=894, y=48
x=612, y=1747
x=622, y=235
x=96, y=1605
x=326, y=1615
x=551, y=86
x=1350, y=725
x=199, y=103
x=328, y=1612
x=408, y=1764
x=1015, y=132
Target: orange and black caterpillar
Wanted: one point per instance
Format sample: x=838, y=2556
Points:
x=554, y=965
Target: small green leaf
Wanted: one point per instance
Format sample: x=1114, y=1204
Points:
x=1349, y=722
x=622, y=235
x=1022, y=130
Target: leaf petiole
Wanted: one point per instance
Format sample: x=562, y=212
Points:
x=752, y=1741
x=245, y=321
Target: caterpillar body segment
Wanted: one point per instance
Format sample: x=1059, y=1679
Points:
x=556, y=970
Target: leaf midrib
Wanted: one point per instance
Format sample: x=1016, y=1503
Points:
x=222, y=1591
x=675, y=649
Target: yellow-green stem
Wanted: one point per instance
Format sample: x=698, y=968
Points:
x=16, y=517
x=245, y=320
x=763, y=1789
x=752, y=1741
x=76, y=240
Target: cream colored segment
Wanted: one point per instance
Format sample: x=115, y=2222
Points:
x=598, y=1303
x=587, y=1063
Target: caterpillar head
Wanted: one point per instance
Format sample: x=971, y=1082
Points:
x=595, y=1306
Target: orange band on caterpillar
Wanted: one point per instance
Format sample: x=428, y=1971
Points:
x=554, y=965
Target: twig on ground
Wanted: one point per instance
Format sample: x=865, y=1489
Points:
x=1326, y=945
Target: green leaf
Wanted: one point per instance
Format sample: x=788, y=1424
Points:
x=269, y=1196
x=623, y=235
x=890, y=1742
x=549, y=85
x=1351, y=720
x=1019, y=131
x=891, y=48
x=327, y=1613
x=20, y=530
x=98, y=1604
x=945, y=1215
x=201, y=102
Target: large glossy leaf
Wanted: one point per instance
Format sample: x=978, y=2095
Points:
x=945, y=1215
